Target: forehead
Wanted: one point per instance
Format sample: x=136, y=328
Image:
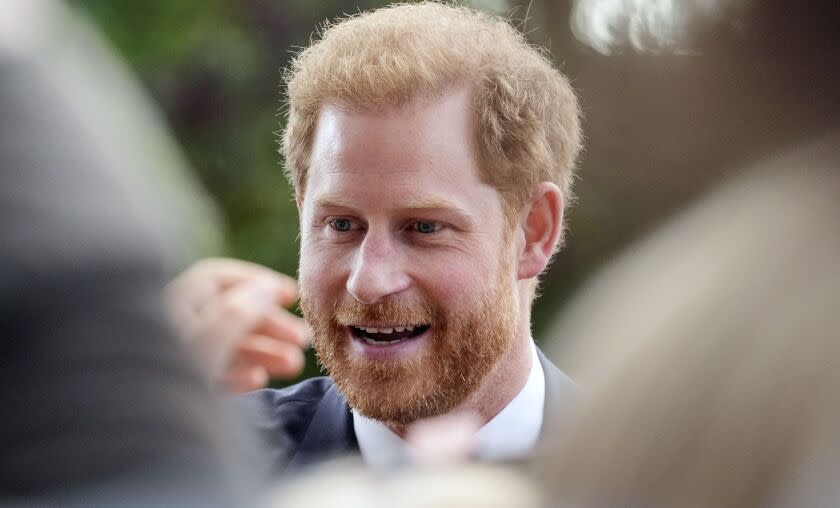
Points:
x=422, y=150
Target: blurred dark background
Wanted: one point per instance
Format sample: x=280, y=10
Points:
x=214, y=67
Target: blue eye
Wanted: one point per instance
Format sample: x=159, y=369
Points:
x=426, y=227
x=342, y=225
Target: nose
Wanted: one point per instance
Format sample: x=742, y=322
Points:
x=377, y=271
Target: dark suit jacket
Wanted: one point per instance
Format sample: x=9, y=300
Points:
x=311, y=421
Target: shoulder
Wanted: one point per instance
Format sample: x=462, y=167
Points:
x=309, y=391
x=301, y=424
x=289, y=409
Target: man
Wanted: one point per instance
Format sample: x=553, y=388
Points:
x=431, y=153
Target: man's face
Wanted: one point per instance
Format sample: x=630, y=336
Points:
x=405, y=269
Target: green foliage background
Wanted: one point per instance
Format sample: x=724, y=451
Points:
x=214, y=67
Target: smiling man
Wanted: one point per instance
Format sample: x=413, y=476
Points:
x=431, y=151
x=407, y=270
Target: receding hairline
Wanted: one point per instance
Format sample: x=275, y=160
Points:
x=423, y=96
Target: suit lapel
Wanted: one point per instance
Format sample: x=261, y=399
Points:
x=330, y=432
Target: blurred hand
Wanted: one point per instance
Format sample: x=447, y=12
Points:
x=231, y=313
x=443, y=440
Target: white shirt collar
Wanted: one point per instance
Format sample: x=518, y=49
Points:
x=511, y=434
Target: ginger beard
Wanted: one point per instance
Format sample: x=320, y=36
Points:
x=463, y=345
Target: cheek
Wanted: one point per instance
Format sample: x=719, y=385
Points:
x=457, y=280
x=321, y=274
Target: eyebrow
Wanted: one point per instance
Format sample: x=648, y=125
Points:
x=422, y=204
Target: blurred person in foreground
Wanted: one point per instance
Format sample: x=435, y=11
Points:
x=431, y=151
x=711, y=352
x=102, y=405
x=438, y=485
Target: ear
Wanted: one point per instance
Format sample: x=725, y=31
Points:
x=541, y=225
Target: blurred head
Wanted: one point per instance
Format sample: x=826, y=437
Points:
x=652, y=25
x=431, y=152
x=710, y=354
x=698, y=26
x=762, y=72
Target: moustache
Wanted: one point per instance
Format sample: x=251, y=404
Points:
x=387, y=312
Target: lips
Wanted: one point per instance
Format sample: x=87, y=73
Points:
x=386, y=335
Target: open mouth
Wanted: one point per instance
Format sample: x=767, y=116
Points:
x=385, y=336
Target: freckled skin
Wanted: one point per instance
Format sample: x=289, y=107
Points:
x=373, y=176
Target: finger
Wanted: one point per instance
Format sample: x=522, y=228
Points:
x=280, y=359
x=283, y=325
x=245, y=378
x=199, y=282
x=227, y=273
x=185, y=296
x=229, y=319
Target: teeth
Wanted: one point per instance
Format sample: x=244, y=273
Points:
x=386, y=330
x=398, y=329
x=381, y=342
